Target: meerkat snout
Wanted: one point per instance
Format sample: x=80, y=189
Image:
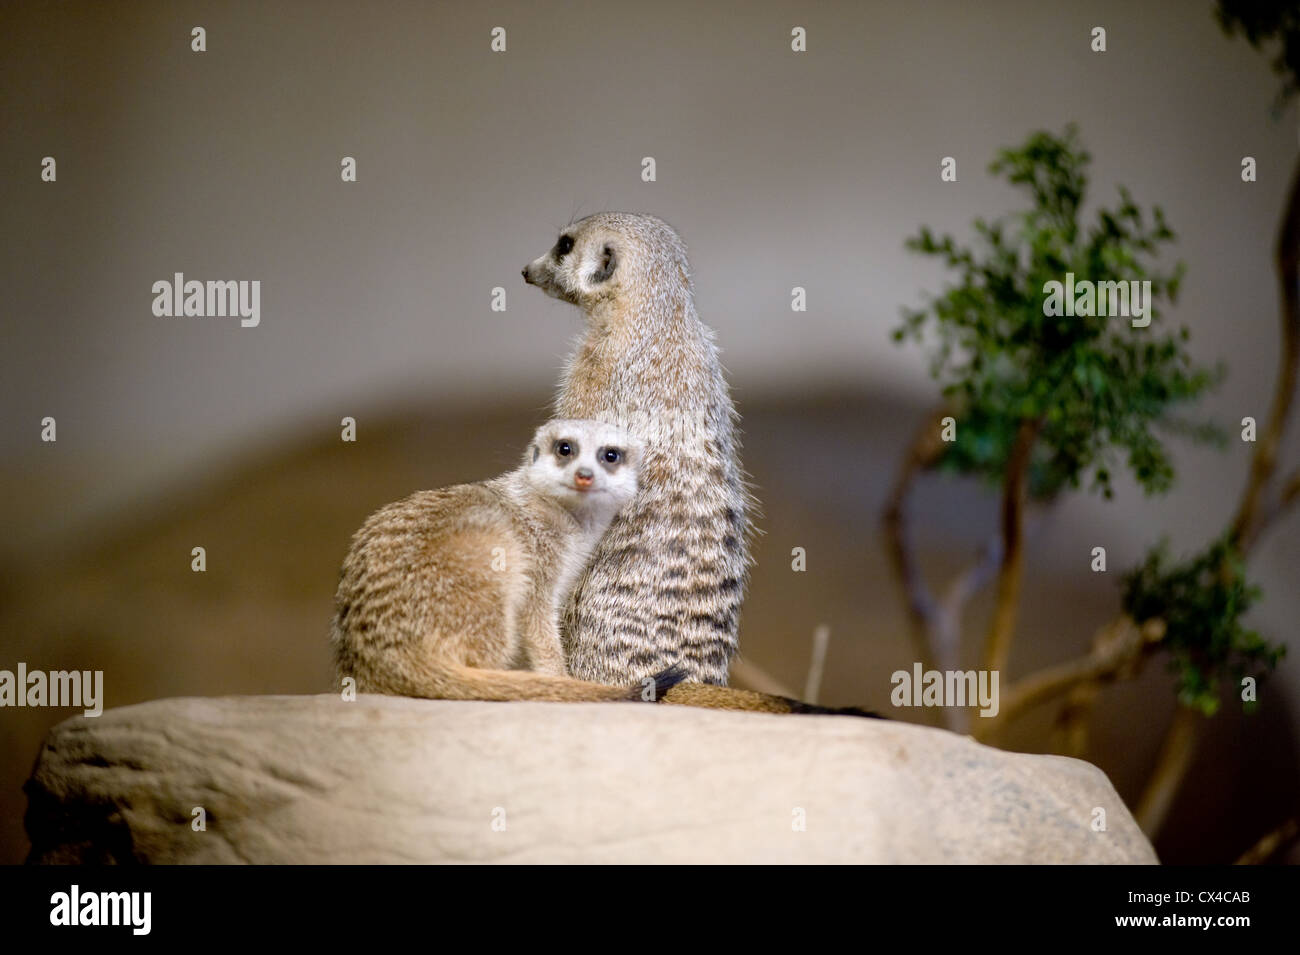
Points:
x=581, y=267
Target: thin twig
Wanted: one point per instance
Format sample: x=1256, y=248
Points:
x=813, y=686
x=751, y=677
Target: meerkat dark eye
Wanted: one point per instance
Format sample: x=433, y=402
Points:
x=611, y=455
x=563, y=448
x=564, y=246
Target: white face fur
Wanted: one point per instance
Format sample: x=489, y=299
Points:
x=581, y=267
x=587, y=466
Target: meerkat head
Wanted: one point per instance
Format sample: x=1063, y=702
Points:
x=611, y=256
x=589, y=467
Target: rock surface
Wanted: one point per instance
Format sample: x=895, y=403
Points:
x=310, y=779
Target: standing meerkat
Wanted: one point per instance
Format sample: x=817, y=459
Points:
x=455, y=593
x=665, y=585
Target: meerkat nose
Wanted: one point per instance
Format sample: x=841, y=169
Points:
x=524, y=272
x=583, y=477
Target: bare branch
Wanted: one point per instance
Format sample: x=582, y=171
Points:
x=1289, y=494
x=1072, y=721
x=1175, y=759
x=945, y=633
x=1117, y=651
x=1291, y=490
x=924, y=452
x=971, y=580
x=997, y=647
x=1248, y=523
x=1271, y=843
x=945, y=626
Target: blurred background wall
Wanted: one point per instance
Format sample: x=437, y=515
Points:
x=778, y=169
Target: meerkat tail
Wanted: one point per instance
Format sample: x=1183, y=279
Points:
x=709, y=696
x=471, y=683
x=445, y=680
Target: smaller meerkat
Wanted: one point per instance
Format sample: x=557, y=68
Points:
x=456, y=593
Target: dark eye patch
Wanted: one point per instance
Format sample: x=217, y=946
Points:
x=564, y=448
x=564, y=246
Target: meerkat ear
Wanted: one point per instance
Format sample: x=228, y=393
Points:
x=608, y=262
x=536, y=453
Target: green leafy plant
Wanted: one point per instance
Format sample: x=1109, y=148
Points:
x=1094, y=384
x=1201, y=600
x=1261, y=22
x=1045, y=402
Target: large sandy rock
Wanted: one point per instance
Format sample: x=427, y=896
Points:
x=296, y=779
